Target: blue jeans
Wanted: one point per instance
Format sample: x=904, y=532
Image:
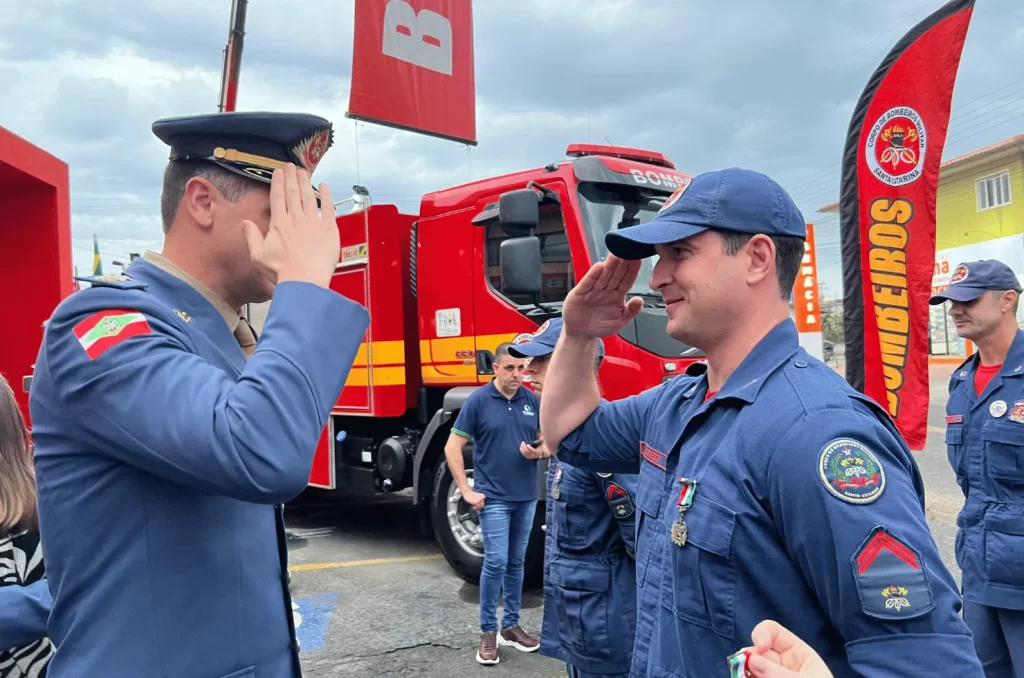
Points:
x=506, y=527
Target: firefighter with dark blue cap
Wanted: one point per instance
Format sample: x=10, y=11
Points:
x=768, y=488
x=985, y=446
x=168, y=436
x=589, y=569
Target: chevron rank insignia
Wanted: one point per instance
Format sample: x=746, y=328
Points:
x=619, y=500
x=107, y=329
x=891, y=580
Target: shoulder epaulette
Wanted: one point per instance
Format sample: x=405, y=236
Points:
x=121, y=282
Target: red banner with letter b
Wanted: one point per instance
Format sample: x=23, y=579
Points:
x=887, y=215
x=412, y=67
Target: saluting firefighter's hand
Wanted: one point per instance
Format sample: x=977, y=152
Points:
x=597, y=306
x=300, y=243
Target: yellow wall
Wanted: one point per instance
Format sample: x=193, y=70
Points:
x=958, y=220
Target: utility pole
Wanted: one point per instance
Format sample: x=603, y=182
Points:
x=233, y=56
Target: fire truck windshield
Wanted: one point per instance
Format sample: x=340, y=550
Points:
x=607, y=207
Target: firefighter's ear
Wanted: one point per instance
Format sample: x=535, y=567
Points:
x=197, y=201
x=760, y=254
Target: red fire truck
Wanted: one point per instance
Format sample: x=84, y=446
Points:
x=482, y=263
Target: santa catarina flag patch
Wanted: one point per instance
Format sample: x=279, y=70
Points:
x=106, y=329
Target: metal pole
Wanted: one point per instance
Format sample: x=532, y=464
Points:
x=233, y=56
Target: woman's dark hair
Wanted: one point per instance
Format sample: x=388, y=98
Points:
x=17, y=477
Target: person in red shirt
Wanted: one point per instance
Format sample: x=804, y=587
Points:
x=985, y=445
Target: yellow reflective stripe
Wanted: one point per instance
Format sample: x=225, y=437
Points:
x=382, y=376
x=384, y=353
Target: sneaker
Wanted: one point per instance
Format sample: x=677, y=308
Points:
x=519, y=639
x=488, y=652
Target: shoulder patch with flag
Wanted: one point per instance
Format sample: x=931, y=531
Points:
x=109, y=328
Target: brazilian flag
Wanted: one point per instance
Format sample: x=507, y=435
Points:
x=97, y=265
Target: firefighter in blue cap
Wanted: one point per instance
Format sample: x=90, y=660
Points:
x=589, y=572
x=768, y=488
x=985, y=445
x=167, y=439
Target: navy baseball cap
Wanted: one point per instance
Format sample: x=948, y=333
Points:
x=972, y=279
x=732, y=199
x=543, y=341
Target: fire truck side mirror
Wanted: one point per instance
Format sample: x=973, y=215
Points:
x=519, y=265
x=519, y=211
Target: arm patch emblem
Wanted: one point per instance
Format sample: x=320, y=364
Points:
x=107, y=329
x=890, y=579
x=851, y=471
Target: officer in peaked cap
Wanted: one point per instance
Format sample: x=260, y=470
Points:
x=768, y=488
x=167, y=439
x=985, y=445
x=589, y=545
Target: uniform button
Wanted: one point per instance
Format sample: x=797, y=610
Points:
x=800, y=363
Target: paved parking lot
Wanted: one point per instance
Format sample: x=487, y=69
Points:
x=377, y=599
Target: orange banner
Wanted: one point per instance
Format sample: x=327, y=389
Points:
x=806, y=305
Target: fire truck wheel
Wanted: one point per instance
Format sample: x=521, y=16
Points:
x=456, y=524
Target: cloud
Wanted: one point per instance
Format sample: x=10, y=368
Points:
x=764, y=85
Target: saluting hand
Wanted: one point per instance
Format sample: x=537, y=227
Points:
x=597, y=307
x=301, y=243
x=778, y=653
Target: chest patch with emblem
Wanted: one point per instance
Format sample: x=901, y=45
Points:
x=997, y=408
x=851, y=471
x=1017, y=413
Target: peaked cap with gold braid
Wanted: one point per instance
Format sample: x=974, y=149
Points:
x=252, y=144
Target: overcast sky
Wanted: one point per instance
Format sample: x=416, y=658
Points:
x=765, y=85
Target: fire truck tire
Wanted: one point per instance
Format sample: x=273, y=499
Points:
x=453, y=522
x=461, y=545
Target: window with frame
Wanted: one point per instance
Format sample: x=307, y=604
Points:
x=993, y=191
x=555, y=263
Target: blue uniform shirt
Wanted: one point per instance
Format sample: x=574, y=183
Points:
x=162, y=457
x=589, y=573
x=808, y=509
x=497, y=425
x=985, y=444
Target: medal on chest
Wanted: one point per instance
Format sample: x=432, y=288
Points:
x=555, y=492
x=679, y=529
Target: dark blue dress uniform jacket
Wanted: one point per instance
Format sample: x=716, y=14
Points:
x=985, y=443
x=162, y=459
x=589, y=573
x=808, y=509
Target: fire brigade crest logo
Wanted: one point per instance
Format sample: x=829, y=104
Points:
x=851, y=471
x=1017, y=413
x=959, y=275
x=896, y=146
x=674, y=198
x=895, y=597
x=311, y=150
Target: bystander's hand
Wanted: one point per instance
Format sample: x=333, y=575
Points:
x=474, y=499
x=778, y=653
x=531, y=452
x=302, y=242
x=597, y=306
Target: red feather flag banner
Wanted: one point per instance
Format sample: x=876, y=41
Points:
x=890, y=177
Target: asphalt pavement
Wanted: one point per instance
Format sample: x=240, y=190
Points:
x=376, y=598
